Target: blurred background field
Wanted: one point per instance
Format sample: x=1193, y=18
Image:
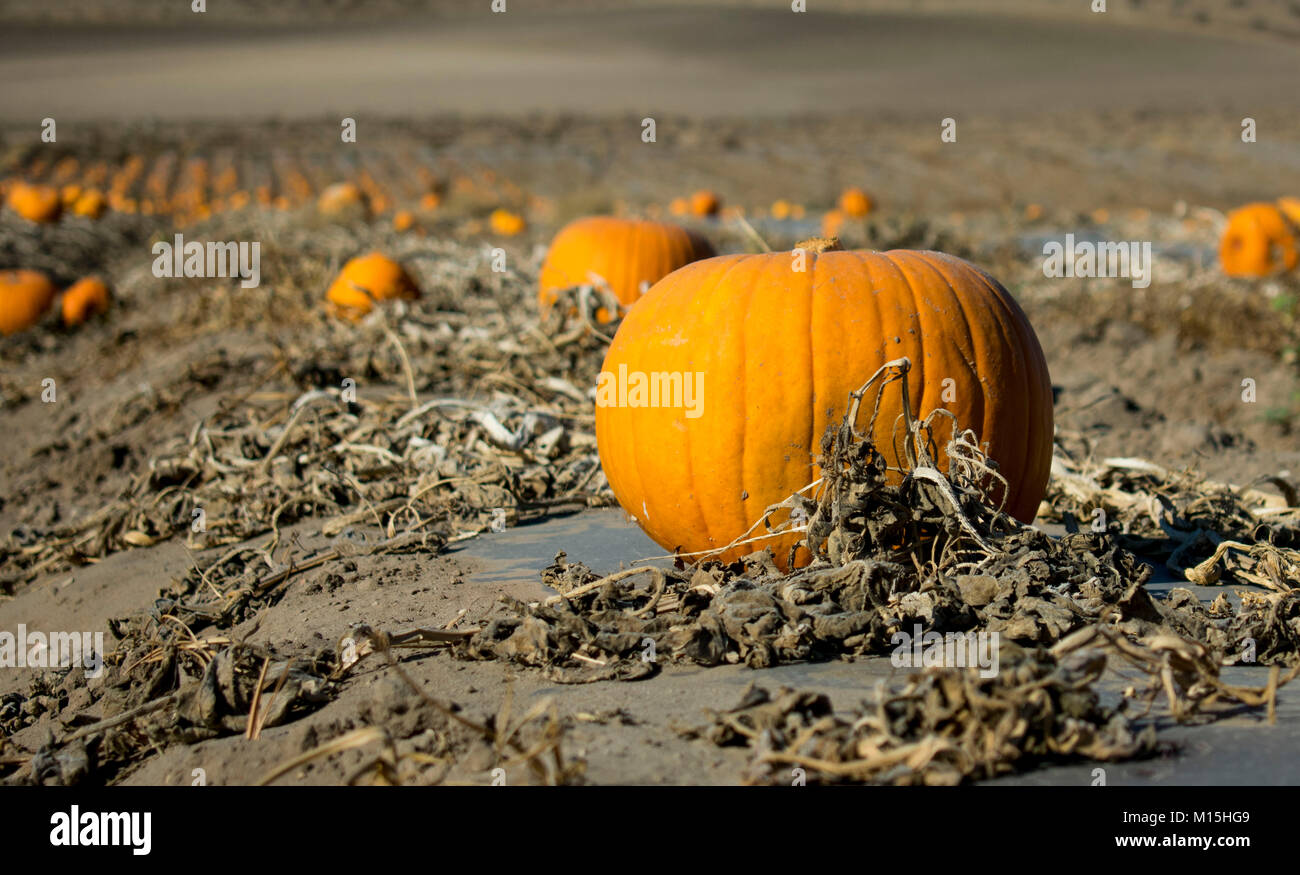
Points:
x=477, y=131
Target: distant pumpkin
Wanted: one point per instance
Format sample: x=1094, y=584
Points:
x=856, y=203
x=506, y=223
x=1258, y=241
x=89, y=204
x=430, y=201
x=705, y=203
x=25, y=295
x=83, y=299
x=341, y=198
x=832, y=222
x=367, y=279
x=35, y=203
x=1290, y=207
x=629, y=255
x=403, y=220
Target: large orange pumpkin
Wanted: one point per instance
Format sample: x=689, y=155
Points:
x=367, y=279
x=35, y=203
x=25, y=295
x=1259, y=240
x=772, y=354
x=628, y=255
x=85, y=298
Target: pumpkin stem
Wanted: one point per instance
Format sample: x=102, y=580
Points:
x=818, y=245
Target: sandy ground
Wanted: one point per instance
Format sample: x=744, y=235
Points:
x=654, y=63
x=1141, y=118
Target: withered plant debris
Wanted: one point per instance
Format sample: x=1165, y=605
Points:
x=1205, y=531
x=944, y=726
x=896, y=549
x=156, y=691
x=451, y=414
x=532, y=740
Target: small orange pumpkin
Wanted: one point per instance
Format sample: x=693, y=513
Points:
x=506, y=223
x=429, y=201
x=1290, y=207
x=855, y=203
x=781, y=210
x=627, y=254
x=367, y=279
x=403, y=220
x=1258, y=241
x=35, y=203
x=773, y=351
x=705, y=203
x=832, y=222
x=85, y=298
x=89, y=204
x=25, y=295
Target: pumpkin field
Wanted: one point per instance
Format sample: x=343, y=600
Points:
x=506, y=424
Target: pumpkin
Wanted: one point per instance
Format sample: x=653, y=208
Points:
x=429, y=201
x=680, y=206
x=628, y=255
x=85, y=298
x=506, y=223
x=1290, y=207
x=705, y=203
x=403, y=220
x=367, y=279
x=832, y=222
x=35, y=203
x=69, y=193
x=774, y=353
x=90, y=204
x=1258, y=241
x=855, y=203
x=781, y=210
x=25, y=295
